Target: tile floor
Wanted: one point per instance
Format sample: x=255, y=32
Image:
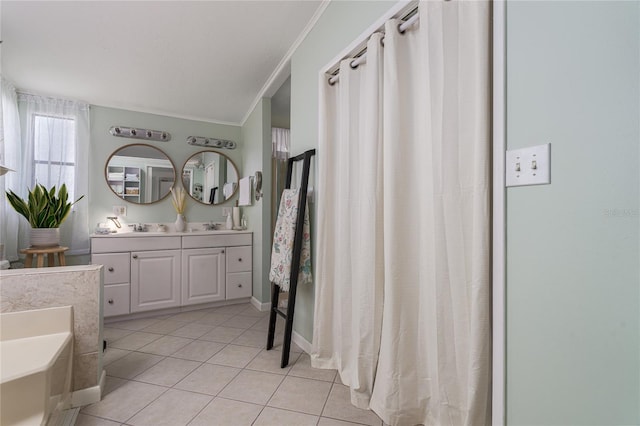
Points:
x=209, y=367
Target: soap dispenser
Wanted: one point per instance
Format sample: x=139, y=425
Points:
x=229, y=221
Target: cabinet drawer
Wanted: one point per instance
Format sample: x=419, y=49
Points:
x=116, y=267
x=116, y=300
x=239, y=285
x=110, y=244
x=216, y=240
x=239, y=259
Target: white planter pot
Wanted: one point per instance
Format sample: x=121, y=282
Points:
x=44, y=237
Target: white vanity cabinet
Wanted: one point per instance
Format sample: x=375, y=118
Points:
x=160, y=271
x=203, y=275
x=155, y=280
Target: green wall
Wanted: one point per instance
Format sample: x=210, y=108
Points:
x=101, y=198
x=256, y=136
x=341, y=23
x=572, y=246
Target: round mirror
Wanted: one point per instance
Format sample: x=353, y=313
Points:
x=140, y=173
x=210, y=177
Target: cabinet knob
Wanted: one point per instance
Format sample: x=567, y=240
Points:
x=110, y=301
x=110, y=269
x=239, y=259
x=222, y=251
x=240, y=285
x=135, y=256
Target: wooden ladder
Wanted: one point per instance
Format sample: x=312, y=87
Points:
x=295, y=261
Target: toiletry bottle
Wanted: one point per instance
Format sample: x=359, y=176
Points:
x=229, y=221
x=236, y=217
x=244, y=221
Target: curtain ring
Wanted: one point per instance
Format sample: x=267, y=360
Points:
x=400, y=30
x=352, y=66
x=331, y=83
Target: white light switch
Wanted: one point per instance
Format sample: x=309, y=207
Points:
x=529, y=166
x=120, y=211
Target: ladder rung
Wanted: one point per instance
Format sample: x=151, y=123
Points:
x=282, y=314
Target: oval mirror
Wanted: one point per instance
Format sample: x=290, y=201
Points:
x=140, y=173
x=210, y=177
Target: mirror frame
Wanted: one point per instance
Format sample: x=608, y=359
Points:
x=106, y=177
x=228, y=159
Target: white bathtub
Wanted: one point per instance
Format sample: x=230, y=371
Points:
x=36, y=355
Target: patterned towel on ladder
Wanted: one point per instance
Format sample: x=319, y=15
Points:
x=283, y=237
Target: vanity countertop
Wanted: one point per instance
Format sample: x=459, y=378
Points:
x=168, y=233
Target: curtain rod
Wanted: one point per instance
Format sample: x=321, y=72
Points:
x=361, y=57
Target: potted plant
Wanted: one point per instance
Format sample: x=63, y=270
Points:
x=45, y=210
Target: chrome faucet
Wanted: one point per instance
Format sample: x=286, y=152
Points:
x=115, y=221
x=210, y=226
x=139, y=227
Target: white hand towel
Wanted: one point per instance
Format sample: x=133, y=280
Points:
x=245, y=191
x=227, y=189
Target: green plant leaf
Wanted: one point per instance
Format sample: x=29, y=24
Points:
x=43, y=208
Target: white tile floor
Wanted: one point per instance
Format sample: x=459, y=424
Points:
x=208, y=368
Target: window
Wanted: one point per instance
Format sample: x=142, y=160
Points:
x=54, y=151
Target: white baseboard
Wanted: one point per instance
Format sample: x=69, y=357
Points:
x=296, y=338
x=176, y=310
x=262, y=307
x=301, y=341
x=89, y=395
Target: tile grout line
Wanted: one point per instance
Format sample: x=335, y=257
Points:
x=326, y=400
x=249, y=326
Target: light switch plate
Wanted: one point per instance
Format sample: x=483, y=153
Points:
x=120, y=211
x=528, y=166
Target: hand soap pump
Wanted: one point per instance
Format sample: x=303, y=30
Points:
x=229, y=221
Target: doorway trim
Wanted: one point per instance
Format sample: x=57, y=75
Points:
x=498, y=291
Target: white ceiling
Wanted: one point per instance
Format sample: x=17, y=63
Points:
x=205, y=60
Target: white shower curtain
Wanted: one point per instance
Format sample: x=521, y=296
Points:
x=403, y=284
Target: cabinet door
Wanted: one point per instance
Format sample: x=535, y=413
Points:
x=203, y=275
x=155, y=280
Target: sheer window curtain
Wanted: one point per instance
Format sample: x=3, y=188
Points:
x=10, y=156
x=403, y=289
x=280, y=152
x=280, y=143
x=56, y=151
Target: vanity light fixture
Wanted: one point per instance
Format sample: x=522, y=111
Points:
x=136, y=133
x=211, y=142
